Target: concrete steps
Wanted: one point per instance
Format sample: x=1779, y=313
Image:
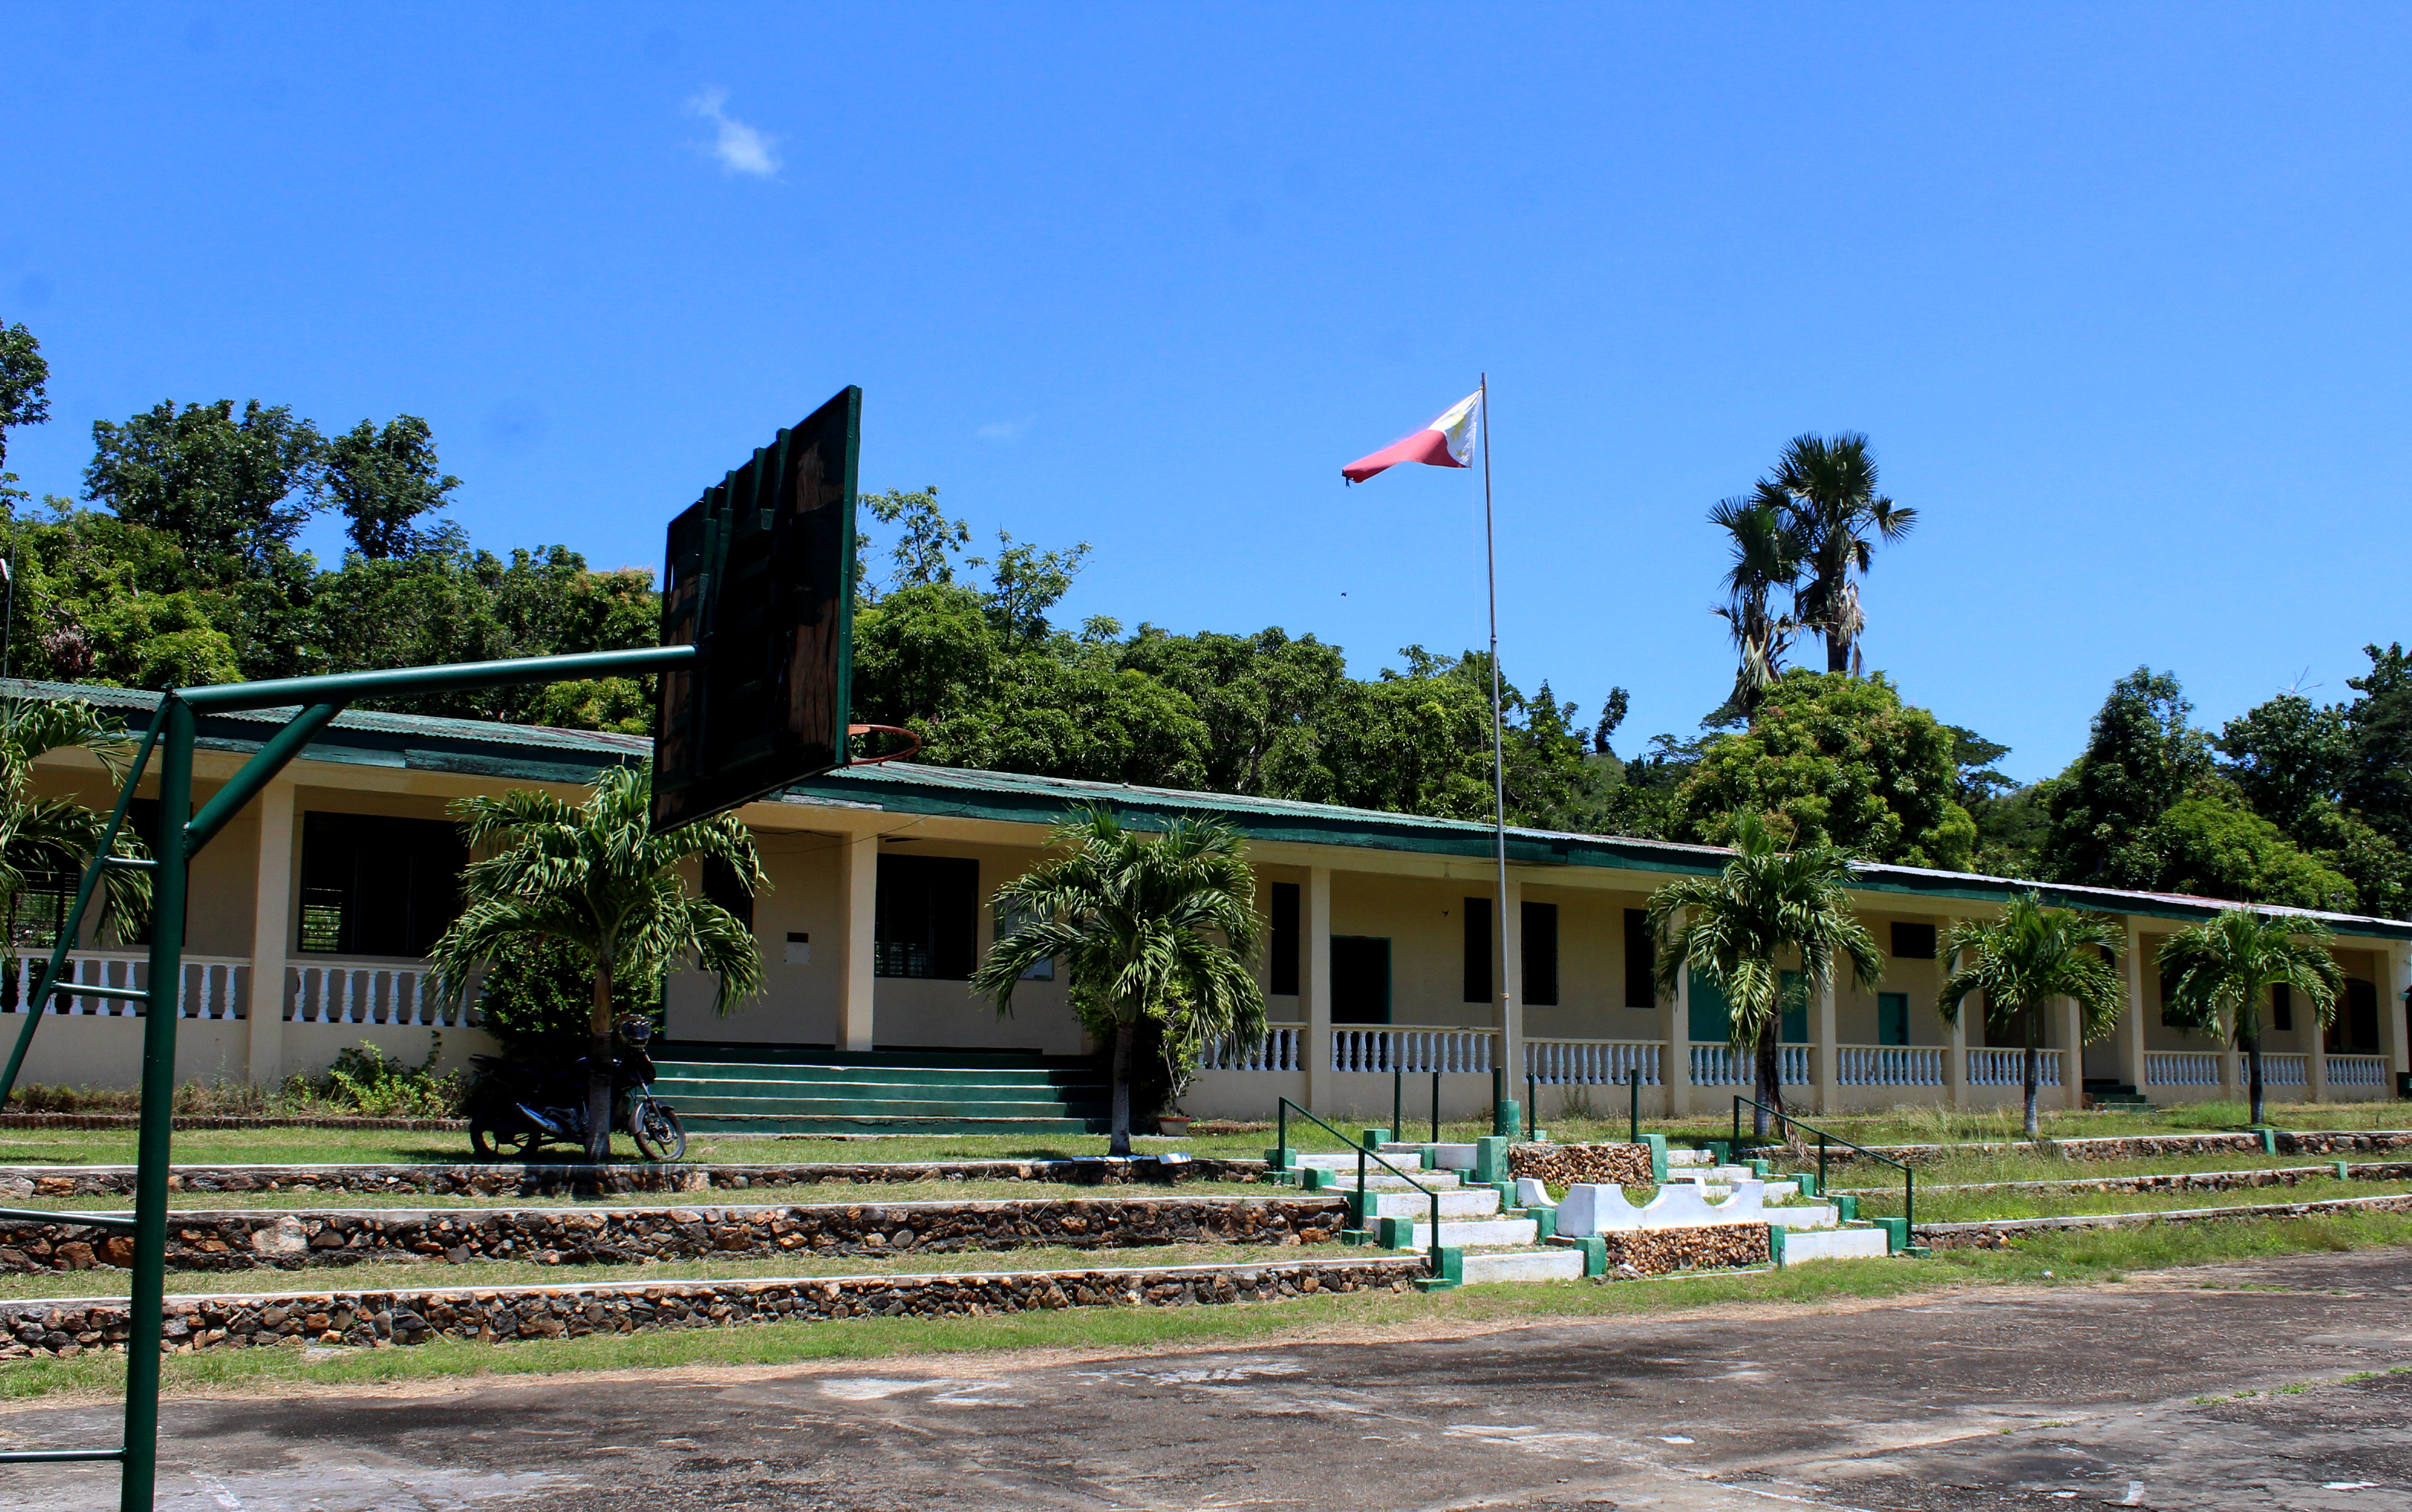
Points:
x=783, y=1090
x=1481, y=1202
x=1524, y=1265
x=1853, y=1243
x=1483, y=1233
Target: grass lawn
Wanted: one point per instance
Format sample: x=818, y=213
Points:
x=1965, y=1205
x=2054, y=1259
x=1972, y=1167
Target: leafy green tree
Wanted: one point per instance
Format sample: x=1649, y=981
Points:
x=58, y=836
x=928, y=542
x=25, y=396
x=1257, y=698
x=1736, y=927
x=1151, y=933
x=382, y=481
x=2022, y=961
x=2141, y=756
x=2210, y=844
x=1766, y=553
x=596, y=878
x=1840, y=760
x=234, y=492
x=2219, y=971
x=1838, y=517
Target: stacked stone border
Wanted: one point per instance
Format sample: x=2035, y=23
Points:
x=2140, y=1146
x=2239, y=1181
x=223, y=1241
x=1997, y=1233
x=1564, y=1164
x=480, y=1181
x=380, y=1319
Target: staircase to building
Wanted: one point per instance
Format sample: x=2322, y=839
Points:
x=2110, y=1092
x=781, y=1089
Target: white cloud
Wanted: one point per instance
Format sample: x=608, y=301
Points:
x=1006, y=430
x=741, y=149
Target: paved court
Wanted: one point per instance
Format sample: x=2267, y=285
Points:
x=1900, y=1405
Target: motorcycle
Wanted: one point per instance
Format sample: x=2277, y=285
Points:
x=516, y=1110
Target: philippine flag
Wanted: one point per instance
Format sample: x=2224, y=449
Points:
x=1447, y=442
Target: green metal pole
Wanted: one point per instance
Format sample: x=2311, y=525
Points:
x=154, y=1144
x=1633, y=1080
x=1436, y=1107
x=1398, y=1096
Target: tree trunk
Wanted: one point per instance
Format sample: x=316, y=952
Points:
x=2253, y=1076
x=1770, y=1079
x=1838, y=653
x=2034, y=1070
x=598, y=1071
x=1122, y=1034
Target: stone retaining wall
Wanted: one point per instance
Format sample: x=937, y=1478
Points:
x=1656, y=1251
x=2372, y=1171
x=1997, y=1233
x=504, y=1181
x=381, y=1319
x=1563, y=1165
x=2138, y=1146
x=238, y=1240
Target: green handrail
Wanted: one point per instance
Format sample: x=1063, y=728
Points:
x=1281, y=1143
x=1908, y=1175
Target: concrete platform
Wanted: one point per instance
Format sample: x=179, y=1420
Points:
x=1524, y=1265
x=1834, y=1245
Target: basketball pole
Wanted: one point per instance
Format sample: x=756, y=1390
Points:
x=1500, y=1117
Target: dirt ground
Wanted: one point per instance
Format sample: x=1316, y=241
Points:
x=2221, y=1387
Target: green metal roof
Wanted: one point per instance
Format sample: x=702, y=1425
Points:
x=535, y=752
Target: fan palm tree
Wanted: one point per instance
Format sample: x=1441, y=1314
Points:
x=1830, y=487
x=594, y=876
x=2023, y=960
x=1158, y=929
x=58, y=836
x=1765, y=904
x=2218, y=971
x=1766, y=557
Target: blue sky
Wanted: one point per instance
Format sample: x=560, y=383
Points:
x=2118, y=292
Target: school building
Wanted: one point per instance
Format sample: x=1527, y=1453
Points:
x=311, y=916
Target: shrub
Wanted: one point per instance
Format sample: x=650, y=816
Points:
x=364, y=1078
x=539, y=997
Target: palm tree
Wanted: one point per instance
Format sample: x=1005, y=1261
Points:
x=1149, y=930
x=598, y=879
x=2218, y=971
x=1766, y=557
x=2022, y=961
x=57, y=836
x=1830, y=487
x=1766, y=902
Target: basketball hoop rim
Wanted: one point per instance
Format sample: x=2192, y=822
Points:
x=852, y=731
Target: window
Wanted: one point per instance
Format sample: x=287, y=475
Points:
x=1913, y=942
x=1361, y=979
x=1794, y=985
x=2282, y=1008
x=1009, y=921
x=2171, y=1018
x=39, y=911
x=2355, y=1029
x=1893, y=1017
x=926, y=919
x=1477, y=950
x=376, y=885
x=1283, y=967
x=1640, y=986
x=721, y=886
x=1541, y=953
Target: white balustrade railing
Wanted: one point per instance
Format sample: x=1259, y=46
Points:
x=2286, y=1070
x=2182, y=1068
x=1591, y=1062
x=1888, y=1066
x=1998, y=1068
x=214, y=987
x=339, y=991
x=1720, y=1065
x=2358, y=1071
x=1411, y=1051
x=1281, y=1048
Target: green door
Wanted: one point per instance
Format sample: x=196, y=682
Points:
x=1711, y=1020
x=1892, y=1017
x=1795, y=1008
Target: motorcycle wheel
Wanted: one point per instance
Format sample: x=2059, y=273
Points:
x=511, y=1140
x=658, y=1133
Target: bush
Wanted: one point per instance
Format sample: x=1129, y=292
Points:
x=540, y=999
x=364, y=1078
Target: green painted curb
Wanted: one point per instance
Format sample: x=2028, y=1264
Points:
x=1372, y=1138
x=1808, y=1180
x=1354, y=1237
x=1896, y=1234
x=1393, y=1233
x=1490, y=1160
x=1545, y=1222
x=1657, y=1143
x=2343, y=1174
x=1281, y=1160
x=1775, y=1234
x=1846, y=1208
x=1595, y=1254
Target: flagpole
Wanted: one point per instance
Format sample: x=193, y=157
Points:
x=1505, y=1082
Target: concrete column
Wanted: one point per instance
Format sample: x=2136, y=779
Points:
x=271, y=920
x=1315, y=990
x=2131, y=1018
x=1675, y=1062
x=1824, y=1035
x=2072, y=1059
x=2394, y=978
x=1511, y=993
x=859, y=882
x=1955, y=1053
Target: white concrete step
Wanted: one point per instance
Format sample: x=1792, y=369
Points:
x=1806, y=1215
x=1833, y=1244
x=1480, y=1203
x=1486, y=1232
x=1382, y=1181
x=1688, y=1157
x=1524, y=1265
